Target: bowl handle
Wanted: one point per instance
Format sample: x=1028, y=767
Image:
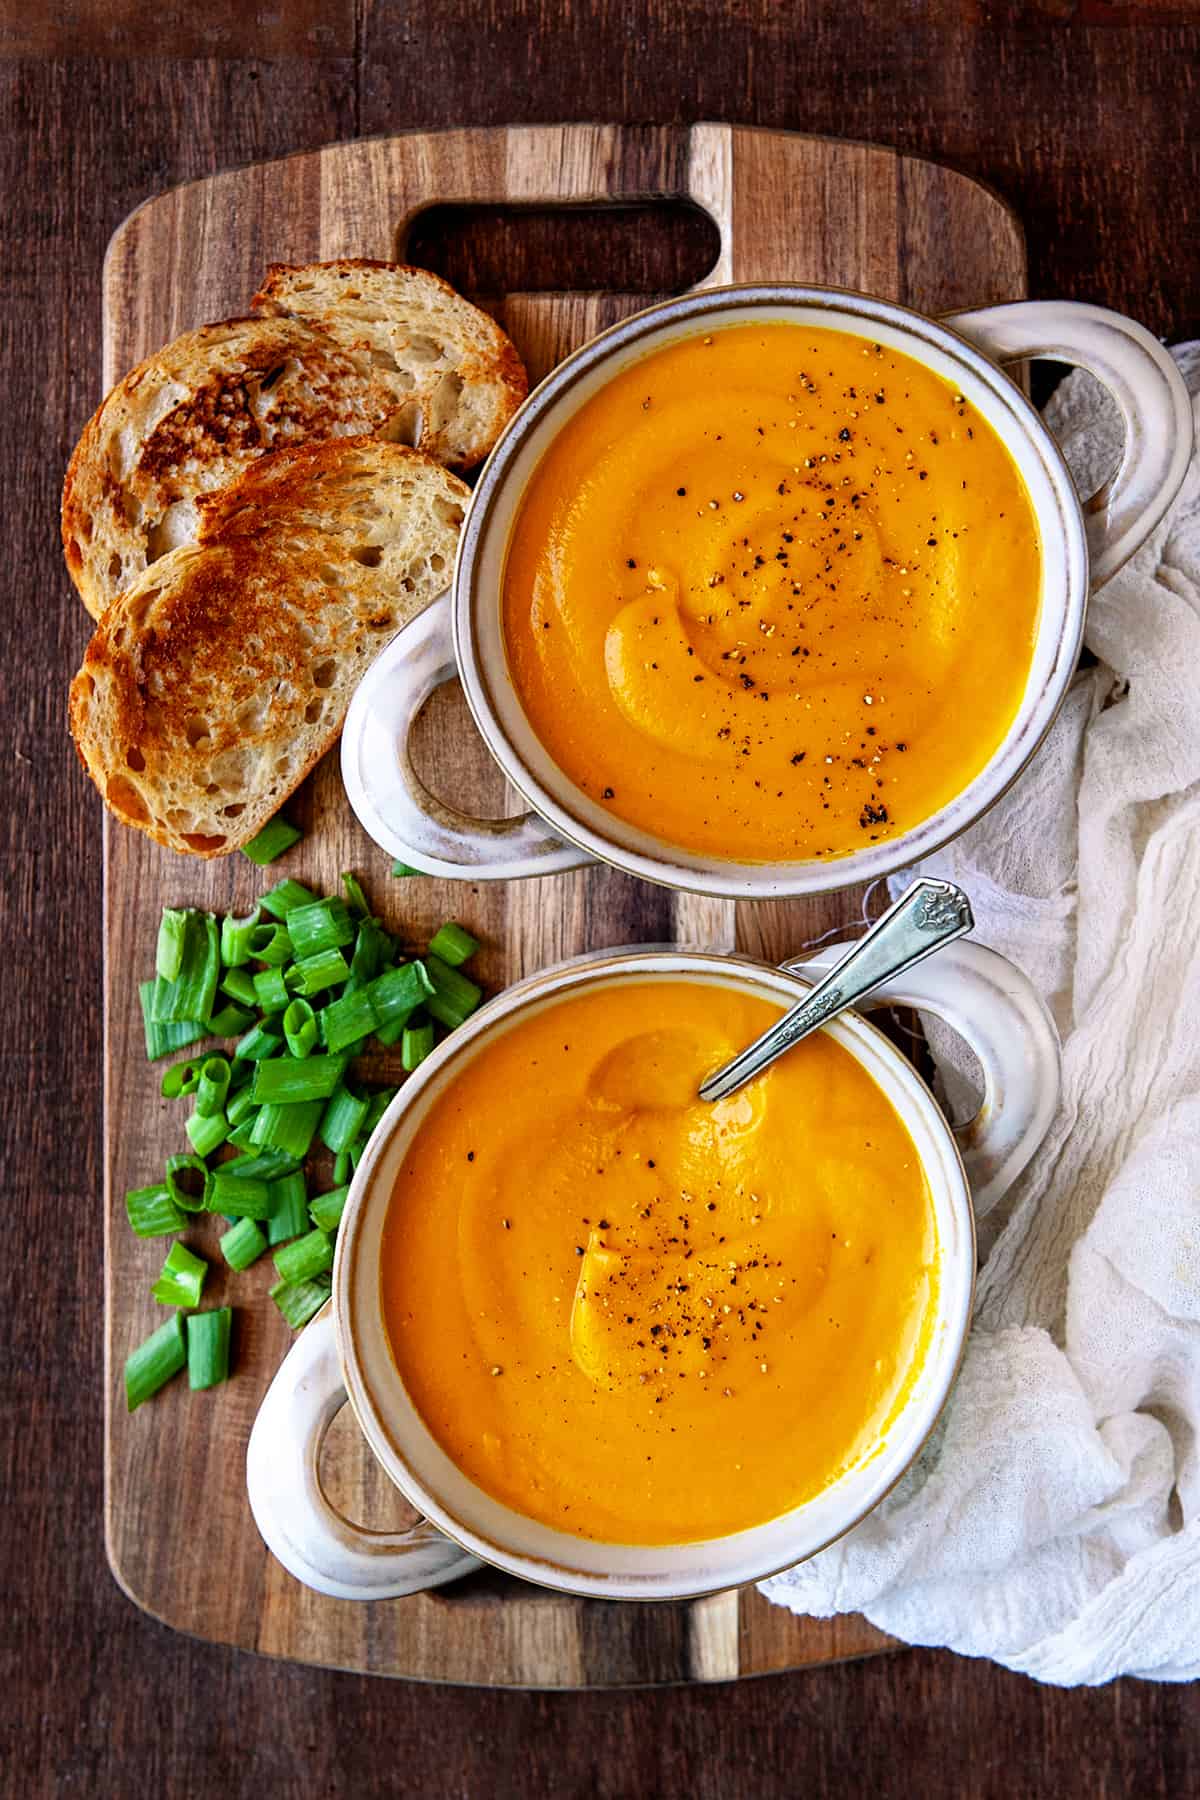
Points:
x=1005, y=1021
x=308, y=1536
x=390, y=800
x=1148, y=390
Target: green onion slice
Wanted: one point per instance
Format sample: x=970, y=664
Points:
x=355, y=898
x=288, y=894
x=288, y=1080
x=213, y=1085
x=182, y=1277
x=299, y=1300
x=288, y=1216
x=186, y=1176
x=275, y=837
x=236, y=1196
x=401, y=869
x=327, y=1209
x=242, y=1244
x=270, y=991
x=342, y=1120
x=192, y=992
x=208, y=1335
x=291, y=1127
x=152, y=1212
x=300, y=1028
x=230, y=1022
x=417, y=1044
x=452, y=944
x=348, y=1020
x=305, y=1257
x=165, y=1039
x=454, y=998
x=397, y=993
x=257, y=1045
x=270, y=943
x=263, y=1165
x=235, y=939
x=240, y=1104
x=313, y=974
x=153, y=1363
x=342, y=1167
x=180, y=1079
x=239, y=985
x=323, y=925
x=206, y=1131
x=168, y=952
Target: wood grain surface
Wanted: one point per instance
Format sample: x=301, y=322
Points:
x=781, y=206
x=1078, y=112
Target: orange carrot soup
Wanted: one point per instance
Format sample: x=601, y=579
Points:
x=772, y=593
x=640, y=1318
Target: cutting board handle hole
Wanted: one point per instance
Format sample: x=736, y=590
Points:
x=652, y=247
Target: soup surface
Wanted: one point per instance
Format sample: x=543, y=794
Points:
x=641, y=1318
x=772, y=593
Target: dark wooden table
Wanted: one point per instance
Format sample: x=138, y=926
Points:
x=1083, y=114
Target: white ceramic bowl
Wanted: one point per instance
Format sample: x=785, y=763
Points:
x=461, y=634
x=344, y=1353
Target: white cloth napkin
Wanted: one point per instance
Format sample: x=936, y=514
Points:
x=1053, y=1521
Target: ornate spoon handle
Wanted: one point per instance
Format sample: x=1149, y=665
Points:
x=930, y=914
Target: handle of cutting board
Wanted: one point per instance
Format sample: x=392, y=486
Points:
x=389, y=798
x=1149, y=392
x=998, y=1011
x=299, y=1526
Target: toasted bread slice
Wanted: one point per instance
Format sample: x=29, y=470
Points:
x=449, y=366
x=214, y=683
x=188, y=420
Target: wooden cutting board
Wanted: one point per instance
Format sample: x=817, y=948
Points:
x=180, y=1538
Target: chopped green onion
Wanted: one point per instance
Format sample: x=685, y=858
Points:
x=270, y=943
x=291, y=1127
x=343, y=1118
x=208, y=1336
x=270, y=991
x=452, y=944
x=152, y=1212
x=239, y=985
x=235, y=939
x=372, y=953
x=192, y=992
x=288, y=894
x=400, y=869
x=243, y=1135
x=323, y=925
x=205, y=1131
x=186, y=1176
x=454, y=998
x=327, y=1209
x=264, y=1165
x=341, y=1167
x=236, y=1196
x=182, y=1277
x=300, y=1028
x=230, y=1022
x=242, y=1244
x=290, y=1079
x=213, y=1086
x=356, y=899
x=356, y=1151
x=299, y=1300
x=348, y=1020
x=288, y=1216
x=418, y=1042
x=153, y=1363
x=180, y=1079
x=168, y=952
x=304, y=1258
x=275, y=837
x=380, y=1100
x=313, y=974
x=397, y=993
x=387, y=1035
x=240, y=1105
x=164, y=1039
x=257, y=1045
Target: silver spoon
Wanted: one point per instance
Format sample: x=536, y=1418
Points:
x=928, y=915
